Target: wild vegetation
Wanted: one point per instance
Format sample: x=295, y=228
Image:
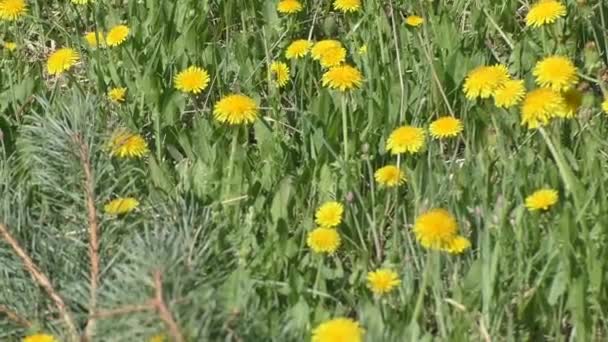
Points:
x=303, y=170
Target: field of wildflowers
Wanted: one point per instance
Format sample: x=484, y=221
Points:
x=303, y=170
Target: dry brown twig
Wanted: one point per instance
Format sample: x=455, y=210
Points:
x=15, y=317
x=163, y=310
x=42, y=280
x=93, y=227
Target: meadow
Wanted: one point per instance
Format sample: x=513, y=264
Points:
x=303, y=170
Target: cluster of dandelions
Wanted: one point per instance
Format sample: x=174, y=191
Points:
x=556, y=96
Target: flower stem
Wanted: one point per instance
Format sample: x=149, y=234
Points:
x=345, y=128
x=425, y=282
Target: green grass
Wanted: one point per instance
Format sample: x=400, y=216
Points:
x=225, y=210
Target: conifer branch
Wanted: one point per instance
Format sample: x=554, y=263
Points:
x=42, y=280
x=163, y=310
x=89, y=186
x=15, y=317
x=125, y=310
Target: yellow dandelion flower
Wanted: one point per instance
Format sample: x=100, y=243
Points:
x=347, y=5
x=342, y=77
x=483, y=81
x=329, y=214
x=414, y=20
x=405, y=139
x=298, y=49
x=289, y=6
x=436, y=229
x=280, y=71
x=333, y=57
x=91, y=38
x=158, y=338
x=445, y=127
x=338, y=330
x=323, y=240
x=117, y=35
x=320, y=47
x=542, y=199
x=382, y=281
x=458, y=245
x=61, y=60
x=81, y=2
x=12, y=9
x=605, y=105
x=545, y=12
x=117, y=94
x=124, y=144
x=236, y=109
x=573, y=99
x=192, y=80
x=10, y=46
x=39, y=338
x=539, y=106
x=556, y=72
x=510, y=94
x=121, y=205
x=390, y=176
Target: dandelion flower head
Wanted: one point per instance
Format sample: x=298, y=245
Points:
x=445, y=127
x=436, y=229
x=289, y=6
x=573, y=99
x=510, y=94
x=605, y=105
x=556, y=72
x=539, y=106
x=10, y=46
x=542, y=199
x=458, y=245
x=91, y=38
x=545, y=12
x=329, y=214
x=124, y=144
x=323, y=240
x=117, y=94
x=338, y=330
x=320, y=47
x=236, y=109
x=11, y=10
x=192, y=80
x=382, y=281
x=280, y=71
x=81, y=2
x=347, y=5
x=61, y=60
x=414, y=20
x=332, y=56
x=343, y=77
x=117, y=35
x=404, y=139
x=389, y=176
x=121, y=205
x=298, y=49
x=483, y=81
x=158, y=338
x=39, y=338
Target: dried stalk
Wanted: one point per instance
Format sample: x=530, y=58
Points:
x=89, y=187
x=13, y=316
x=42, y=280
x=163, y=311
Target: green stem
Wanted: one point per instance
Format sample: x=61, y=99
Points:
x=425, y=283
x=564, y=170
x=345, y=128
x=317, y=277
x=235, y=139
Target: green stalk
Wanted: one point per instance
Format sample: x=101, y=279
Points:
x=425, y=283
x=345, y=128
x=564, y=170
